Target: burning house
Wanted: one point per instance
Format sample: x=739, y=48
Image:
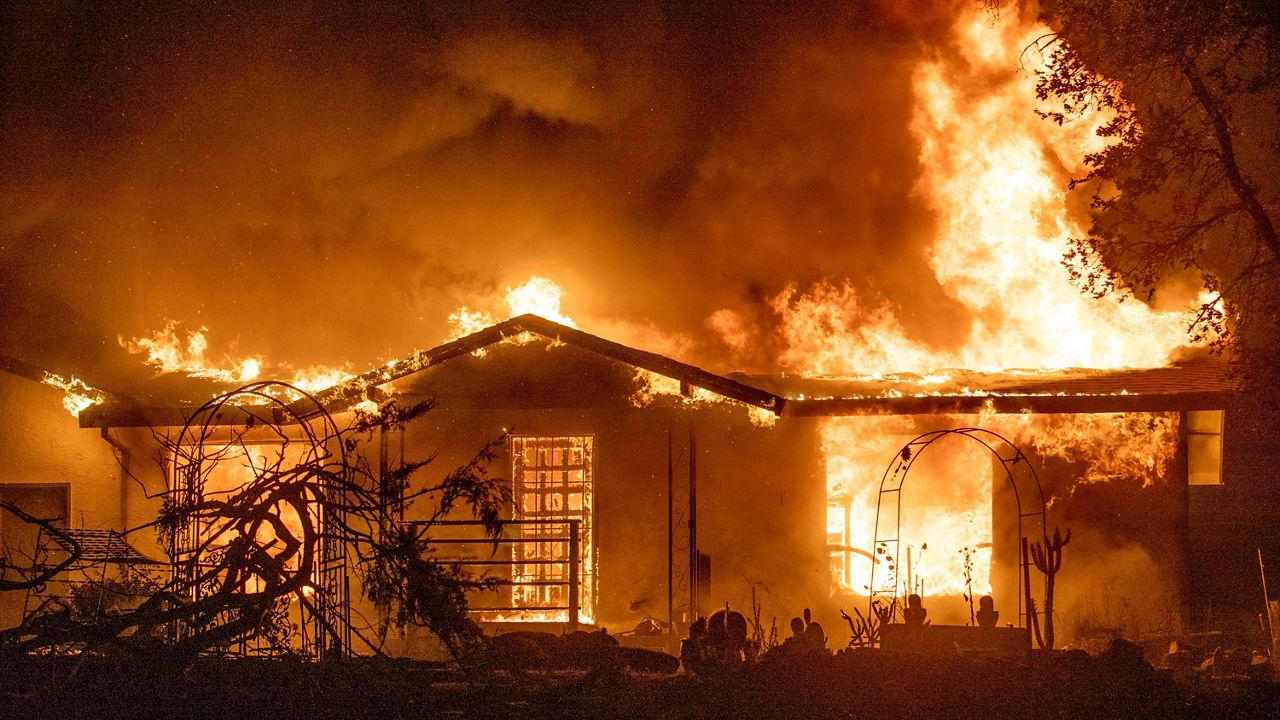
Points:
x=642, y=487
x=921, y=393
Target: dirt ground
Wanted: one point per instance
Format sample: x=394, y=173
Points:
x=866, y=684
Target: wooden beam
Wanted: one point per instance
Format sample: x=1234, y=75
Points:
x=106, y=416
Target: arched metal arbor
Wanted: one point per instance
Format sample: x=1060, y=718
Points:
x=1018, y=470
x=322, y=461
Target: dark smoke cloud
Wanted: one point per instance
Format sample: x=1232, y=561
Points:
x=326, y=182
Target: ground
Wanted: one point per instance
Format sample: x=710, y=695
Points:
x=869, y=684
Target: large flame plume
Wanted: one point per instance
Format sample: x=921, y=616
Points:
x=995, y=175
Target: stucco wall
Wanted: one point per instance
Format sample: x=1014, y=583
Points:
x=40, y=442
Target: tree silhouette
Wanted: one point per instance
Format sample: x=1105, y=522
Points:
x=1190, y=181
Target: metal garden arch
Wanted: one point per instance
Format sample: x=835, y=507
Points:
x=1018, y=470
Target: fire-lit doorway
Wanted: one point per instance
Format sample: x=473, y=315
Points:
x=552, y=482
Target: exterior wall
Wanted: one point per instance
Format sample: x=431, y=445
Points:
x=42, y=443
x=1229, y=523
x=760, y=501
x=762, y=516
x=759, y=494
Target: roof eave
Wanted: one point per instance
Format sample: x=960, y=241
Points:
x=1012, y=404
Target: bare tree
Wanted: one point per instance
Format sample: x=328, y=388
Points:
x=34, y=572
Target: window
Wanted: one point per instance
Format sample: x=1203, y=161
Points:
x=1204, y=447
x=552, y=481
x=236, y=467
x=18, y=538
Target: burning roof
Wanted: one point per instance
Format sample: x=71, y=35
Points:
x=1204, y=382
x=357, y=388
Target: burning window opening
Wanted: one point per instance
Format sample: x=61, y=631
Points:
x=552, y=481
x=946, y=509
x=235, y=467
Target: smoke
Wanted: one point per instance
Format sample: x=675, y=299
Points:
x=324, y=184
x=1107, y=591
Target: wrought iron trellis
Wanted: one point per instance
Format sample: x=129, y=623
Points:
x=325, y=626
x=1022, y=480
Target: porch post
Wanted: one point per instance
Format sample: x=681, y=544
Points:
x=573, y=574
x=694, y=580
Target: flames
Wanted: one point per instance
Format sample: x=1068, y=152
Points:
x=995, y=175
x=171, y=351
x=536, y=296
x=1110, y=445
x=947, y=501
x=77, y=394
x=946, y=509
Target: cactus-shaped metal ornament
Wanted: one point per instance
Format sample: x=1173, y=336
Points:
x=1047, y=557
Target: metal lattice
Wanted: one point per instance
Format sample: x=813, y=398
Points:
x=682, y=525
